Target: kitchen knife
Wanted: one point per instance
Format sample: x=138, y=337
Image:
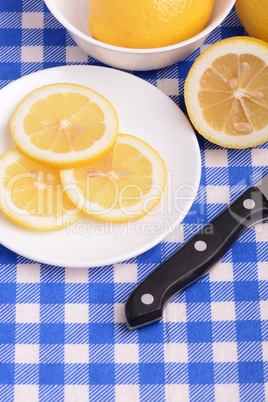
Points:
x=146, y=303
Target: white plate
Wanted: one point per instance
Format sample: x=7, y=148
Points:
x=143, y=111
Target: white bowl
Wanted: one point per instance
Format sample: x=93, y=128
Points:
x=73, y=15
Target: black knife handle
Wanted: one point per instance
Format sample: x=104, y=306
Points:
x=194, y=259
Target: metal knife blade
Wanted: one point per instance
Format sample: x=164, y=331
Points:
x=195, y=258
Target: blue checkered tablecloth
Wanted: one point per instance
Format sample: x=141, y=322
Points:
x=62, y=331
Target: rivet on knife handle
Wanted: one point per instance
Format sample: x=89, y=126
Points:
x=194, y=259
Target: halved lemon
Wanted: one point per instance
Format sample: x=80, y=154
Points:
x=123, y=185
x=64, y=124
x=31, y=194
x=226, y=93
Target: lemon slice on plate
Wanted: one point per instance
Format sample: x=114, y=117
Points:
x=31, y=194
x=226, y=93
x=64, y=124
x=124, y=184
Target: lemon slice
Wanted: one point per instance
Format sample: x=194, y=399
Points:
x=31, y=194
x=124, y=184
x=64, y=124
x=226, y=93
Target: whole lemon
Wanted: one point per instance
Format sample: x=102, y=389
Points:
x=254, y=16
x=147, y=23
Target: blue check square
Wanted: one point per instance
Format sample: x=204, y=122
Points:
x=7, y=293
x=7, y=373
x=52, y=293
x=101, y=333
x=101, y=293
x=10, y=37
x=152, y=333
x=235, y=174
x=7, y=333
x=248, y=331
x=200, y=373
x=51, y=333
x=54, y=37
x=101, y=373
x=250, y=372
x=246, y=290
x=199, y=292
x=244, y=252
x=51, y=373
x=10, y=6
x=152, y=373
x=7, y=256
x=199, y=332
x=153, y=255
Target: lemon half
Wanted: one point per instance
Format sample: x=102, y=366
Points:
x=226, y=93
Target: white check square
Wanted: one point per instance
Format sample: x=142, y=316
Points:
x=175, y=312
x=76, y=313
x=263, y=271
x=27, y=313
x=32, y=54
x=126, y=393
x=223, y=311
x=32, y=20
x=218, y=194
x=223, y=271
x=126, y=353
x=25, y=353
x=227, y=393
x=125, y=272
x=177, y=392
x=119, y=312
x=176, y=353
x=75, y=54
x=76, y=353
x=26, y=393
x=76, y=275
x=264, y=309
x=216, y=157
x=225, y=352
x=28, y=273
x=170, y=86
x=75, y=393
x=265, y=351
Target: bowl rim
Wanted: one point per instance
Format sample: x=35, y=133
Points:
x=209, y=28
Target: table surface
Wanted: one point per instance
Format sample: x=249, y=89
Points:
x=62, y=331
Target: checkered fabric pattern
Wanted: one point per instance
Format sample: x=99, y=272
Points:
x=62, y=331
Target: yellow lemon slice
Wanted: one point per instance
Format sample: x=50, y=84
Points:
x=226, y=93
x=64, y=124
x=31, y=194
x=124, y=184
